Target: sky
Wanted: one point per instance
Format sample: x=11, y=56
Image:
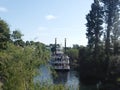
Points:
x=45, y=20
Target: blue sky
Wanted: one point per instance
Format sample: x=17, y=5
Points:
x=44, y=20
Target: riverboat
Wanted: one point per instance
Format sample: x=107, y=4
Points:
x=60, y=61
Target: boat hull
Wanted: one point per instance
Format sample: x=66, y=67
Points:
x=62, y=70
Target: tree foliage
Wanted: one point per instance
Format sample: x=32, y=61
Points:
x=16, y=37
x=73, y=54
x=95, y=29
x=18, y=64
x=103, y=33
x=112, y=21
x=4, y=34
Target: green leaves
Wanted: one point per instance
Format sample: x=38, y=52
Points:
x=16, y=35
x=19, y=65
x=4, y=34
x=94, y=22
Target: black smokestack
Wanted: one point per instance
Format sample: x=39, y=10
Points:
x=65, y=45
x=55, y=41
x=55, y=44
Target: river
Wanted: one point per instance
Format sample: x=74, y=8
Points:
x=69, y=78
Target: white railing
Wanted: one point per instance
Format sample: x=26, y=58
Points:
x=62, y=67
x=64, y=61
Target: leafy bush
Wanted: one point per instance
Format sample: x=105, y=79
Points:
x=19, y=65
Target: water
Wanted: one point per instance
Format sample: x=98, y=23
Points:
x=70, y=78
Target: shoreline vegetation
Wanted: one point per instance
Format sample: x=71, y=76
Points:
x=44, y=86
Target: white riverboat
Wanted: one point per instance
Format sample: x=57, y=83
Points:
x=59, y=60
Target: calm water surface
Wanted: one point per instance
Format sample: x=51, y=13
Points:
x=70, y=78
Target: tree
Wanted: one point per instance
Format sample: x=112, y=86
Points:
x=32, y=42
x=16, y=35
x=111, y=13
x=19, y=66
x=73, y=54
x=95, y=29
x=115, y=33
x=17, y=38
x=27, y=43
x=92, y=56
x=76, y=46
x=4, y=34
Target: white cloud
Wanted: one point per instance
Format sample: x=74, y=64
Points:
x=50, y=17
x=3, y=9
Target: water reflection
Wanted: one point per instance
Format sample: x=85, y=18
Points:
x=69, y=78
x=60, y=78
x=44, y=75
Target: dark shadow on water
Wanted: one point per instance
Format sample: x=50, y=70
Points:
x=88, y=87
x=100, y=86
x=109, y=86
x=68, y=78
x=61, y=77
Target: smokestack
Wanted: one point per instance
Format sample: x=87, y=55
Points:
x=65, y=45
x=55, y=44
x=55, y=41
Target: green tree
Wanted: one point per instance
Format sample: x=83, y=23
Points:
x=111, y=13
x=76, y=46
x=41, y=52
x=73, y=55
x=18, y=66
x=17, y=38
x=32, y=43
x=27, y=43
x=94, y=28
x=92, y=56
x=16, y=35
x=115, y=33
x=4, y=34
